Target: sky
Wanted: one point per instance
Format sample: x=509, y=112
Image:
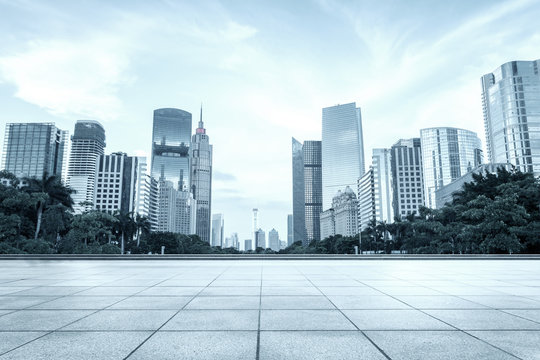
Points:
x=263, y=71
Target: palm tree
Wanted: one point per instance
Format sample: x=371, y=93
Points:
x=125, y=226
x=142, y=224
x=47, y=191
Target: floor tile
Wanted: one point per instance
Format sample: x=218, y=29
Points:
x=304, y=320
x=153, y=302
x=367, y=302
x=10, y=340
x=296, y=302
x=439, y=302
x=79, y=302
x=394, y=320
x=214, y=320
x=483, y=320
x=504, y=301
x=523, y=344
x=40, y=320
x=224, y=302
x=119, y=320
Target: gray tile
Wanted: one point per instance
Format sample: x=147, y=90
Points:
x=153, y=302
x=504, y=301
x=40, y=320
x=111, y=291
x=224, y=302
x=290, y=290
x=172, y=291
x=533, y=315
x=214, y=320
x=79, y=303
x=523, y=344
x=349, y=290
x=80, y=346
x=21, y=302
x=304, y=320
x=367, y=302
x=199, y=345
x=439, y=302
x=296, y=302
x=309, y=345
x=394, y=320
x=286, y=283
x=231, y=290
x=123, y=320
x=51, y=291
x=407, y=290
x=5, y=290
x=483, y=320
x=10, y=340
x=440, y=345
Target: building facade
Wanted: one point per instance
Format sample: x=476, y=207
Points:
x=33, y=149
x=87, y=144
x=171, y=141
x=407, y=177
x=511, y=105
x=260, y=239
x=307, y=190
x=201, y=180
x=273, y=240
x=218, y=230
x=366, y=200
x=289, y=230
x=345, y=207
x=382, y=185
x=447, y=154
x=342, y=149
x=328, y=224
x=248, y=245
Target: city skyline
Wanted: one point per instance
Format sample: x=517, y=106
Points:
x=429, y=78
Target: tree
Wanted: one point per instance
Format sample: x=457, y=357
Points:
x=124, y=226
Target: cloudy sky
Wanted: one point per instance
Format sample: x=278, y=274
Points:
x=262, y=69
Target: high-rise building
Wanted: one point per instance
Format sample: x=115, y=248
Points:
x=382, y=185
x=273, y=240
x=342, y=149
x=307, y=190
x=171, y=140
x=511, y=104
x=407, y=177
x=255, y=223
x=447, y=154
x=116, y=183
x=32, y=149
x=260, y=239
x=218, y=231
x=146, y=192
x=87, y=144
x=289, y=230
x=342, y=217
x=247, y=245
x=201, y=180
x=328, y=224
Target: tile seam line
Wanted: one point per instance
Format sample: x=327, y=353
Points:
x=381, y=351
x=258, y=348
x=176, y=313
x=420, y=310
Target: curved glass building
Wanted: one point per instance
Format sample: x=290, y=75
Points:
x=447, y=154
x=511, y=104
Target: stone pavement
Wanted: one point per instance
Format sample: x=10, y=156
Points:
x=270, y=309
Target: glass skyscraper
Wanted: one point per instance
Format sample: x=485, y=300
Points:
x=87, y=144
x=307, y=190
x=511, y=104
x=447, y=154
x=171, y=140
x=201, y=180
x=32, y=149
x=342, y=149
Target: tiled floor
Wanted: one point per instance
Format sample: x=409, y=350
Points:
x=270, y=309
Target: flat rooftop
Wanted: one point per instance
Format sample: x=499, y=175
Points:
x=270, y=309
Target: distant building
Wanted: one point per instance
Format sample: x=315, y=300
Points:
x=447, y=154
x=260, y=239
x=232, y=241
x=342, y=149
x=32, y=149
x=307, y=190
x=273, y=240
x=146, y=193
x=344, y=212
x=289, y=229
x=282, y=244
x=328, y=224
x=445, y=194
x=366, y=200
x=511, y=104
x=116, y=183
x=407, y=177
x=87, y=144
x=247, y=245
x=218, y=225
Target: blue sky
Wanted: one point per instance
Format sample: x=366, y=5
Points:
x=262, y=69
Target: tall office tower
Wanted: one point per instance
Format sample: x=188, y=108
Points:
x=407, y=178
x=201, y=180
x=32, y=149
x=382, y=185
x=234, y=241
x=255, y=223
x=171, y=140
x=289, y=230
x=511, y=104
x=447, y=154
x=260, y=239
x=273, y=240
x=342, y=149
x=143, y=188
x=366, y=200
x=116, y=183
x=247, y=245
x=87, y=144
x=307, y=190
x=218, y=231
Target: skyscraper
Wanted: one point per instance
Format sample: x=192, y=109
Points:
x=273, y=240
x=511, y=104
x=218, y=230
x=32, y=149
x=171, y=140
x=307, y=190
x=289, y=230
x=201, y=180
x=447, y=154
x=260, y=239
x=342, y=149
x=382, y=185
x=407, y=177
x=87, y=144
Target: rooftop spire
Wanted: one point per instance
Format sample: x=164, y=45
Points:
x=201, y=129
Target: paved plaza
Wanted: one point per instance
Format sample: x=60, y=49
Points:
x=270, y=309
